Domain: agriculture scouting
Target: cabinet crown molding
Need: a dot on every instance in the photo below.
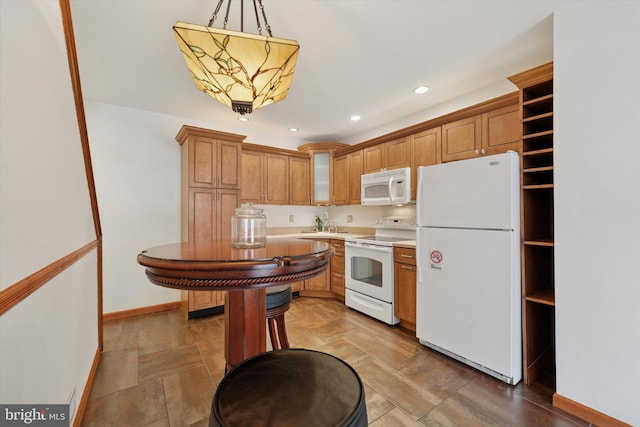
(322, 146)
(186, 131)
(533, 76)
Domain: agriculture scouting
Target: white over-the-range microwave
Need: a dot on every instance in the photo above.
(388, 187)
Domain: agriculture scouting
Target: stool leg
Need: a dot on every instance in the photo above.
(282, 331)
(272, 332)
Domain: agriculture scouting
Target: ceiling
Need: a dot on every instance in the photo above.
(357, 57)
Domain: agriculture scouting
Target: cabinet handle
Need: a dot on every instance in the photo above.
(483, 151)
(406, 267)
(406, 256)
(477, 151)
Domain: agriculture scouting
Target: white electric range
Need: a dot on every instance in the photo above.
(369, 278)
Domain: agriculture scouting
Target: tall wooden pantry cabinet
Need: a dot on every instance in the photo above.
(210, 193)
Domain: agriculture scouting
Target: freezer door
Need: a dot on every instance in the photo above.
(474, 193)
(468, 296)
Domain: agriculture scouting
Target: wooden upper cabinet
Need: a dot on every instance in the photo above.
(462, 139)
(251, 190)
(347, 170)
(373, 158)
(265, 178)
(492, 132)
(355, 172)
(212, 158)
(398, 153)
(425, 151)
(341, 180)
(229, 166)
(299, 173)
(276, 179)
(502, 130)
(323, 175)
(388, 155)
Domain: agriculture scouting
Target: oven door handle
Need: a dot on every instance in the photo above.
(385, 249)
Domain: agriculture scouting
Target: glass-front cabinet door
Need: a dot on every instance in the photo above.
(321, 178)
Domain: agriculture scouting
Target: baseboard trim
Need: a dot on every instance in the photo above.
(586, 413)
(87, 390)
(115, 315)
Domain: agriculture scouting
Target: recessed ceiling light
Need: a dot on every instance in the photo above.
(421, 89)
(293, 129)
(243, 119)
(355, 118)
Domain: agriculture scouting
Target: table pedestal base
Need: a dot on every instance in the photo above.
(245, 325)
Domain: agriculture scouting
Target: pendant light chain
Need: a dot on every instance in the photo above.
(264, 16)
(255, 10)
(256, 4)
(214, 15)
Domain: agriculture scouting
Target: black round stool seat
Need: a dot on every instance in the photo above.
(292, 387)
(278, 296)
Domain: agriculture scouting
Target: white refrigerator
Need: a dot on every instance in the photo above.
(468, 250)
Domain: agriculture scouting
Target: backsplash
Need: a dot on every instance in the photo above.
(303, 216)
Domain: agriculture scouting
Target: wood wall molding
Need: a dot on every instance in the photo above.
(586, 413)
(87, 390)
(72, 58)
(17, 292)
(116, 315)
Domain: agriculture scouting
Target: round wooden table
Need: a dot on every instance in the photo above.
(245, 273)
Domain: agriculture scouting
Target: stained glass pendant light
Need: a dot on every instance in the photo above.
(243, 71)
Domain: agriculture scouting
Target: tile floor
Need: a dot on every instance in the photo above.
(162, 370)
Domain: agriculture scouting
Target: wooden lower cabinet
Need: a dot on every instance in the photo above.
(201, 300)
(318, 283)
(337, 268)
(405, 275)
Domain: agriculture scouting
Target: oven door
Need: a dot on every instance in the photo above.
(369, 270)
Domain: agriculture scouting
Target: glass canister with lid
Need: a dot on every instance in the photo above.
(249, 227)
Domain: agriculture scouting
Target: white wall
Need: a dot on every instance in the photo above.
(47, 341)
(597, 205)
(136, 163)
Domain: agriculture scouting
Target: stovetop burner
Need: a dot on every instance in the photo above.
(390, 230)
